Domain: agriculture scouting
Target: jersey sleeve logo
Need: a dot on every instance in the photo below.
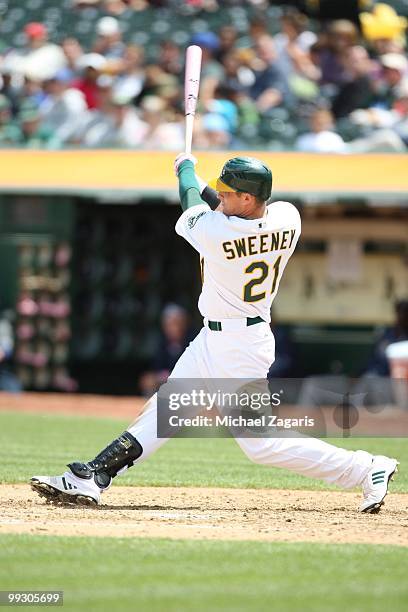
(193, 220)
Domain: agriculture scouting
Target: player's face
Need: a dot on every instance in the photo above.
(239, 205)
(231, 203)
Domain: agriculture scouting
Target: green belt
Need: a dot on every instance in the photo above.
(216, 325)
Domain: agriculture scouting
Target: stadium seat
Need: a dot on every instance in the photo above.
(140, 27)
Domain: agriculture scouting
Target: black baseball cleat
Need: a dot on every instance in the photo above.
(67, 489)
(375, 484)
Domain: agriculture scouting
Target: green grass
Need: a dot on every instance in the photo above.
(171, 575)
(43, 444)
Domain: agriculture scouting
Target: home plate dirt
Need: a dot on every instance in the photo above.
(216, 514)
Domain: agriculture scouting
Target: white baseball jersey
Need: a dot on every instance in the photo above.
(242, 260)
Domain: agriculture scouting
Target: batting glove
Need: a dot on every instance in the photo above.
(183, 157)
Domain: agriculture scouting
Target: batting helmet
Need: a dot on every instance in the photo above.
(247, 175)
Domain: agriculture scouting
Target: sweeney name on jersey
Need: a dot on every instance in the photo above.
(242, 260)
(255, 245)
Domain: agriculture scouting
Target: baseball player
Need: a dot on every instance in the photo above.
(244, 244)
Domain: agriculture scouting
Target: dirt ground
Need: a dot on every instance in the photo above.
(213, 514)
(193, 513)
(73, 404)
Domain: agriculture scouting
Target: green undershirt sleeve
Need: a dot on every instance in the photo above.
(189, 189)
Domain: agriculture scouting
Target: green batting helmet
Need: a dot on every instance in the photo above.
(247, 175)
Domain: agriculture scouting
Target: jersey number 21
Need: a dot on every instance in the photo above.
(263, 268)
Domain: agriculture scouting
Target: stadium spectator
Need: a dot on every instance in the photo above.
(160, 84)
(10, 134)
(227, 37)
(36, 36)
(130, 82)
(109, 39)
(330, 48)
(94, 127)
(357, 91)
(175, 336)
(91, 66)
(39, 58)
(379, 141)
(293, 44)
(238, 71)
(73, 53)
(381, 47)
(7, 87)
(124, 127)
(248, 114)
(322, 138)
(223, 105)
(270, 87)
(34, 134)
(170, 58)
(398, 332)
(212, 132)
(394, 73)
(164, 129)
(62, 103)
(258, 27)
(378, 116)
(30, 92)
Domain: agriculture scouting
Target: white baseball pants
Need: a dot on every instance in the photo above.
(242, 352)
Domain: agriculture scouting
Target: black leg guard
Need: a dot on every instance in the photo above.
(120, 453)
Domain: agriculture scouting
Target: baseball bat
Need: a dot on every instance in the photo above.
(191, 87)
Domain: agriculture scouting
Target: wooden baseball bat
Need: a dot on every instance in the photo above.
(191, 87)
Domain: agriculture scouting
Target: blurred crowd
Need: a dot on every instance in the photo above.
(319, 86)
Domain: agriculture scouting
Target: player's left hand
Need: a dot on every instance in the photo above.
(183, 157)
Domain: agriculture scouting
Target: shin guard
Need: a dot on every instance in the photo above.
(119, 454)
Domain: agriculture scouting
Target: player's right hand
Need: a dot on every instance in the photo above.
(183, 157)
